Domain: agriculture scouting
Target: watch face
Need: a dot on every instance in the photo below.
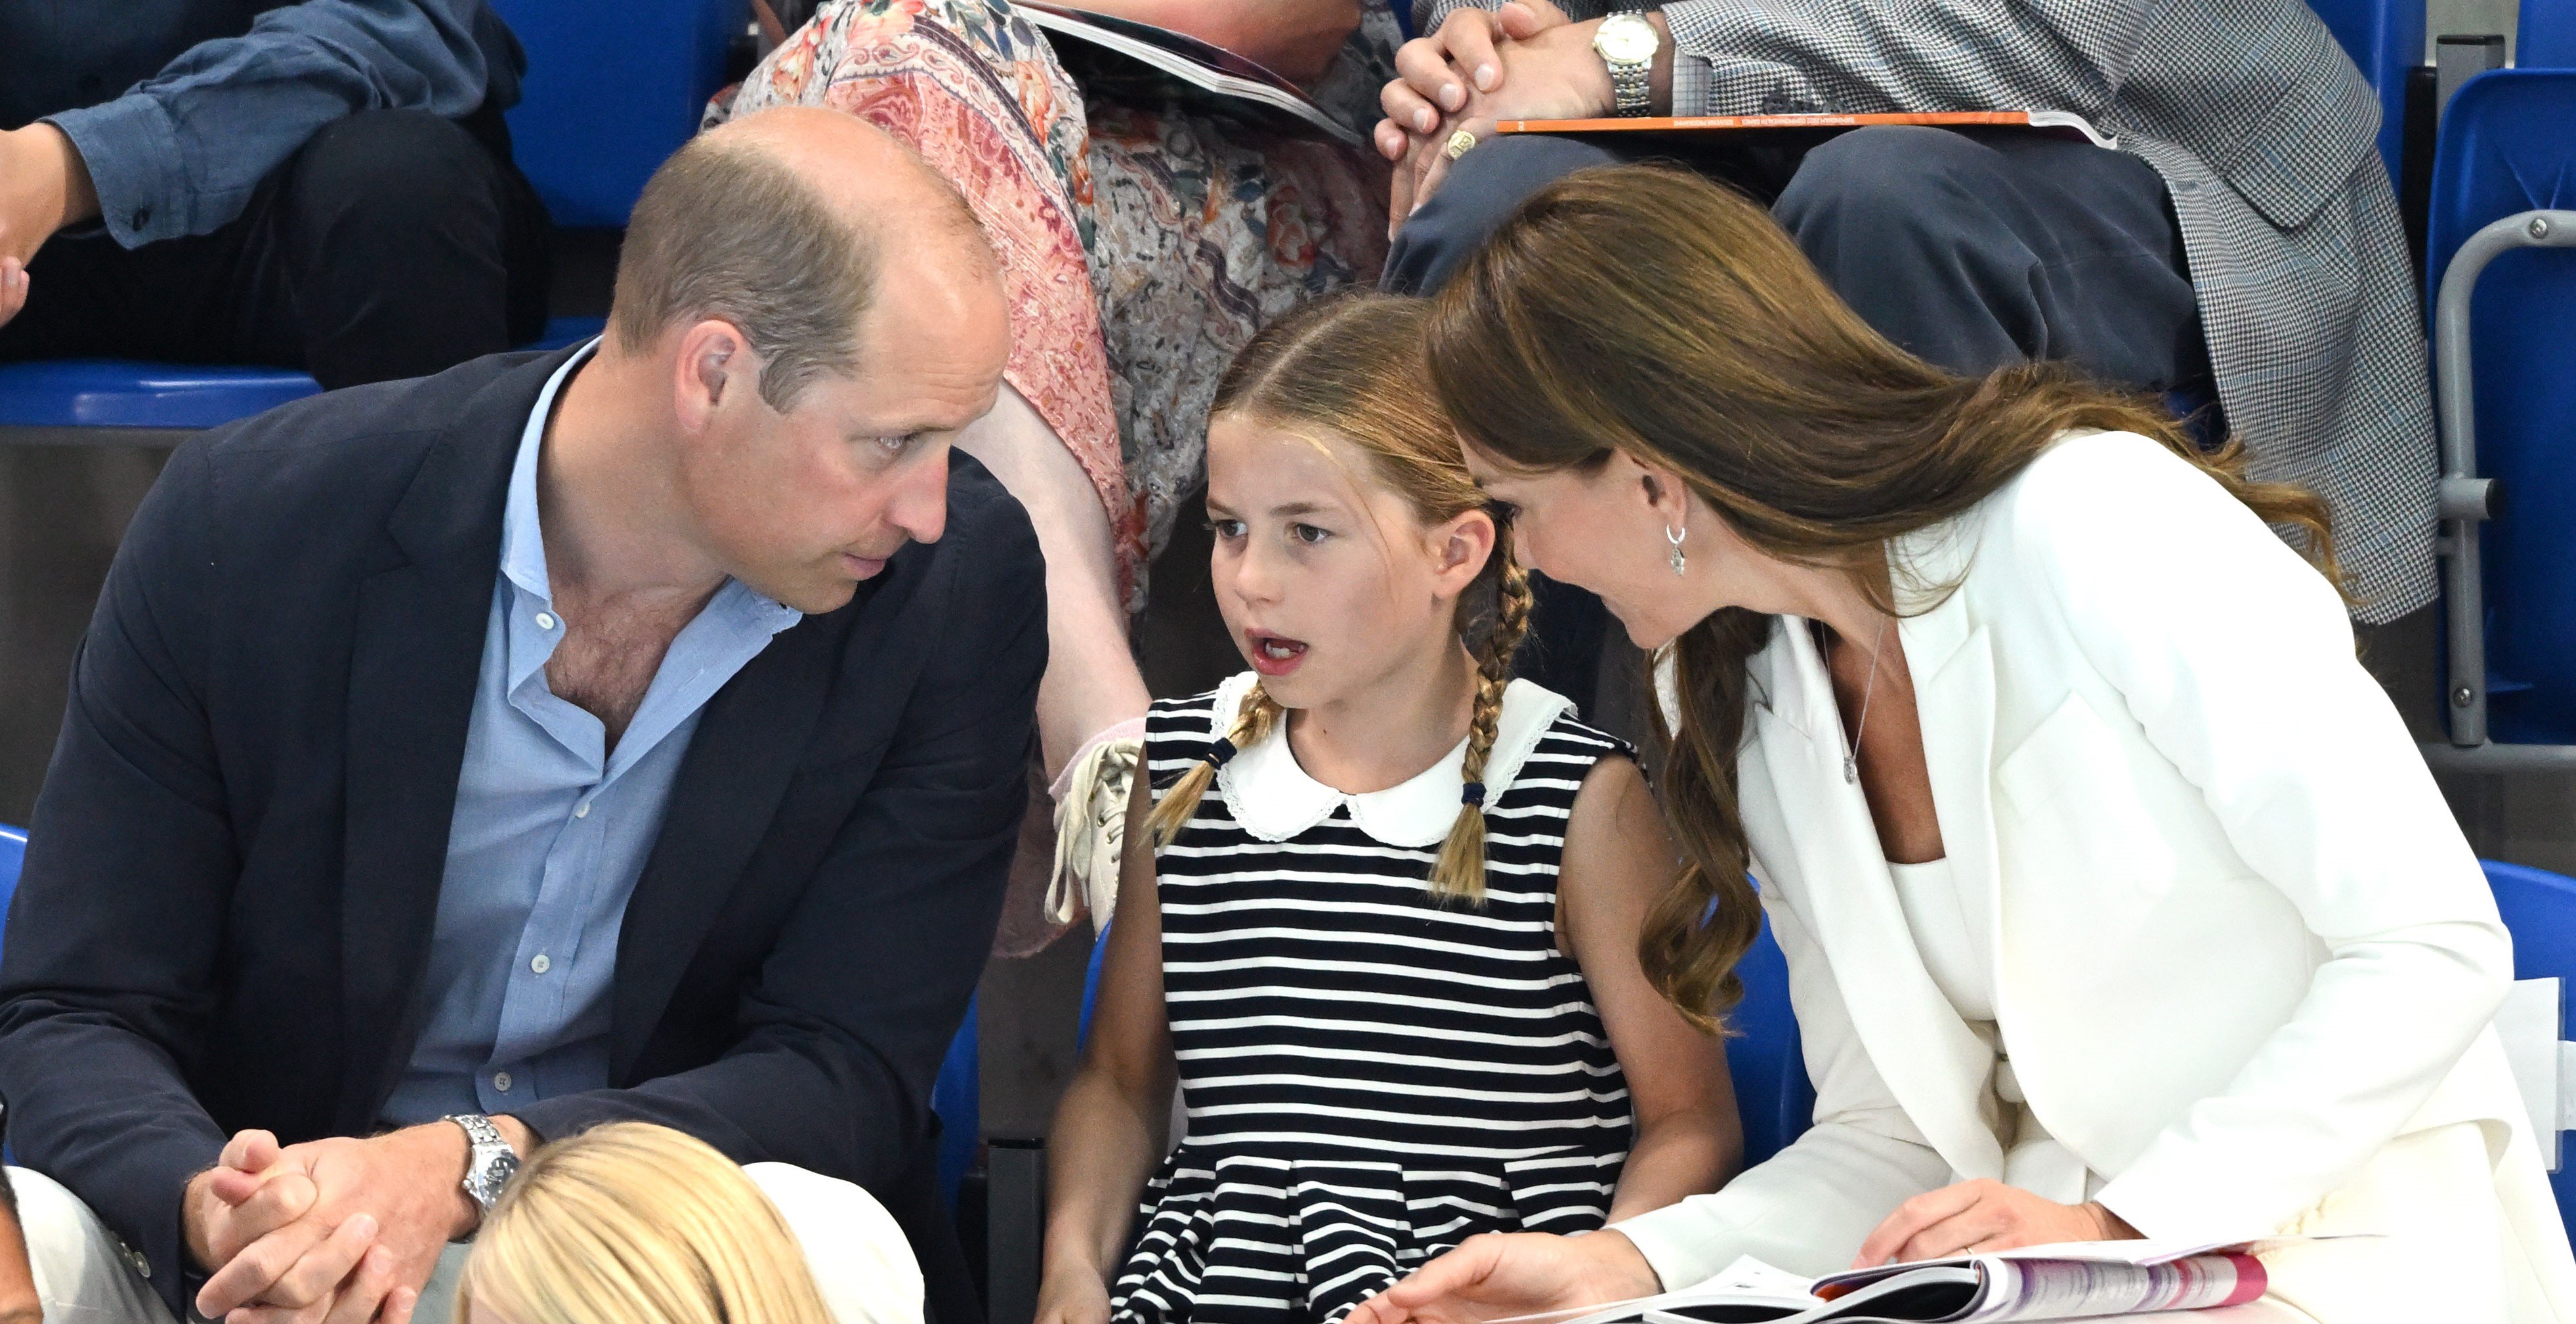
(491, 1175)
(1625, 39)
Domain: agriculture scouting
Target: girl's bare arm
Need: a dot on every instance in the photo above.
(1110, 1129)
(1618, 859)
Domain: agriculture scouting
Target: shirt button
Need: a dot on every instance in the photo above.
(582, 810)
(542, 964)
(545, 620)
(142, 217)
(501, 1081)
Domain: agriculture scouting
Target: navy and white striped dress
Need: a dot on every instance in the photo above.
(1371, 1075)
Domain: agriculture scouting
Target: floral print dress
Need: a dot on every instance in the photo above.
(1141, 245)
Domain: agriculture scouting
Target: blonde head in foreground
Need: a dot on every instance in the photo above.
(633, 1223)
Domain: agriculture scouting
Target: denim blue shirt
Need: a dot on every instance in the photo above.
(180, 107)
(550, 832)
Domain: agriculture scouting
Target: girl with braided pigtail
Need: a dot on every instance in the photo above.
(1382, 903)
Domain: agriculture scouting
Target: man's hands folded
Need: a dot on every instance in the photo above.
(335, 1231)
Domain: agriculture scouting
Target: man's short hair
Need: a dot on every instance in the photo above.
(724, 230)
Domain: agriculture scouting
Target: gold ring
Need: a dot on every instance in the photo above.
(1460, 143)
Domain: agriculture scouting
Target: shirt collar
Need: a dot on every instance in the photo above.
(523, 542)
(1275, 800)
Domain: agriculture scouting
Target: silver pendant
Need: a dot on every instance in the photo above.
(1677, 560)
(1851, 767)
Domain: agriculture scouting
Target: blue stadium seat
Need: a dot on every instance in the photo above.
(2386, 39)
(2546, 35)
(2540, 910)
(611, 90)
(2504, 208)
(1772, 1094)
(1091, 985)
(122, 393)
(956, 1098)
(13, 853)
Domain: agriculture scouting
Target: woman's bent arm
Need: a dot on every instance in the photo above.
(2236, 660)
(1110, 1129)
(1618, 859)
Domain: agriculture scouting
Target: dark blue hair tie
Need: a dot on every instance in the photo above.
(1220, 751)
(1473, 793)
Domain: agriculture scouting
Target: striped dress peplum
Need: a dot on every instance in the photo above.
(1371, 1075)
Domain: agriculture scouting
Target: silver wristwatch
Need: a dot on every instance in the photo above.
(1627, 43)
(489, 1164)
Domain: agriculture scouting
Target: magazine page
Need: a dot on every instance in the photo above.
(2073, 1289)
(1139, 62)
(1992, 1289)
(2061, 1281)
(1769, 1293)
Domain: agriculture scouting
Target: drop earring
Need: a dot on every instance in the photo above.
(1676, 540)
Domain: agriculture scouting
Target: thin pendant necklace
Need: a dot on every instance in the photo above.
(1851, 755)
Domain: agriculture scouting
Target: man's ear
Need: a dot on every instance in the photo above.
(715, 366)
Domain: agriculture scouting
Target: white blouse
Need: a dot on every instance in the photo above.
(1953, 931)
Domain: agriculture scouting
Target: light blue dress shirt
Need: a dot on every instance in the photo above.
(551, 831)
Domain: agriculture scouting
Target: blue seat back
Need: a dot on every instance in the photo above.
(2386, 39)
(1772, 1093)
(13, 853)
(1091, 985)
(957, 1099)
(2545, 38)
(126, 393)
(2539, 908)
(611, 90)
(2506, 147)
(120, 393)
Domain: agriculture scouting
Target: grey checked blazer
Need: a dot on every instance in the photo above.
(2264, 133)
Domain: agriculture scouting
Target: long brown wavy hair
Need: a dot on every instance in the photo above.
(1351, 365)
(1646, 310)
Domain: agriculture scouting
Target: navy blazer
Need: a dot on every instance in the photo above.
(236, 857)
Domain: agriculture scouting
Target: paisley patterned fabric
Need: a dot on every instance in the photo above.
(1141, 245)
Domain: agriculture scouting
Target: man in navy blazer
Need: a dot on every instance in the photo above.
(630, 732)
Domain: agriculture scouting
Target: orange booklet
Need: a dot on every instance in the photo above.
(2047, 121)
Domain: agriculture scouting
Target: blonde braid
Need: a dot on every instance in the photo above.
(1460, 870)
(1252, 723)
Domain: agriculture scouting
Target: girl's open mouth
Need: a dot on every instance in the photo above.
(1274, 655)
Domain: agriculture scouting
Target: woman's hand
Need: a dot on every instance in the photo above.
(1981, 1216)
(1501, 1274)
(1072, 1294)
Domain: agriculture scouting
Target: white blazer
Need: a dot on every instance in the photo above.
(2240, 944)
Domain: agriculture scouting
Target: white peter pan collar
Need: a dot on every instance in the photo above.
(1275, 800)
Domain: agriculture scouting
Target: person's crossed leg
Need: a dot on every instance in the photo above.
(1972, 249)
(394, 243)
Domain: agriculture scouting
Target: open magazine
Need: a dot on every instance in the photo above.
(2068, 1280)
(1132, 61)
(2064, 123)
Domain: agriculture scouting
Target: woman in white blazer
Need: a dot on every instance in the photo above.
(2115, 898)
